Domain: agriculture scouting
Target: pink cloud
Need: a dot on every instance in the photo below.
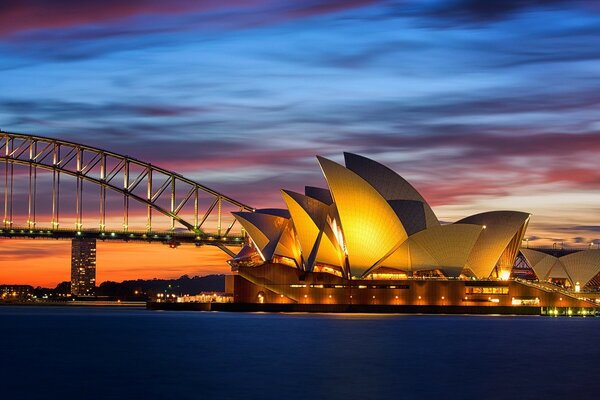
(18, 16)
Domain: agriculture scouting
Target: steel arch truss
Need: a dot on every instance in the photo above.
(133, 179)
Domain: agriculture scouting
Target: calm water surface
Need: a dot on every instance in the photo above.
(117, 353)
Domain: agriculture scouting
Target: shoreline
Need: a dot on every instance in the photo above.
(138, 304)
(369, 309)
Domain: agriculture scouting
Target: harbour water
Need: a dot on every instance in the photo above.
(132, 353)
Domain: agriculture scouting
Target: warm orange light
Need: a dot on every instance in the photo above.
(144, 261)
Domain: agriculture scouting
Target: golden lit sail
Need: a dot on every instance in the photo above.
(443, 247)
(264, 229)
(309, 218)
(558, 271)
(541, 263)
(408, 204)
(369, 227)
(582, 266)
(287, 246)
(498, 243)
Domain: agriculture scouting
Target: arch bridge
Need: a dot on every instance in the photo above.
(50, 186)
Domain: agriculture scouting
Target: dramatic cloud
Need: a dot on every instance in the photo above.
(16, 16)
(486, 10)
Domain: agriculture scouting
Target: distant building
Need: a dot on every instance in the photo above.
(83, 267)
(15, 292)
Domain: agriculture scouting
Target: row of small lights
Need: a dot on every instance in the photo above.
(570, 312)
(112, 234)
(330, 296)
(161, 295)
(555, 311)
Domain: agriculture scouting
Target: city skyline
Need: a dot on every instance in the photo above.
(479, 106)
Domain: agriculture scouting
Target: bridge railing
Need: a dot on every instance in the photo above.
(186, 203)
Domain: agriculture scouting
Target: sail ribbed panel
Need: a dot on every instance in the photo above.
(369, 226)
(501, 227)
(582, 266)
(264, 229)
(406, 199)
(541, 263)
(309, 217)
(401, 258)
(287, 245)
(328, 253)
(558, 271)
(449, 245)
(444, 247)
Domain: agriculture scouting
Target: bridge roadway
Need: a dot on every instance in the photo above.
(171, 238)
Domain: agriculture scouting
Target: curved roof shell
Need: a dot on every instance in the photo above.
(369, 226)
(270, 233)
(500, 239)
(558, 271)
(582, 266)
(309, 218)
(443, 247)
(408, 204)
(540, 262)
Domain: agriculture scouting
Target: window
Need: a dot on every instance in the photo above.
(486, 290)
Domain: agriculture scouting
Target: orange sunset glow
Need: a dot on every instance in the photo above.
(47, 262)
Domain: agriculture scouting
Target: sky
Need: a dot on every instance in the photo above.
(481, 105)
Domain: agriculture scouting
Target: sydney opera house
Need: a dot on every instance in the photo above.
(370, 239)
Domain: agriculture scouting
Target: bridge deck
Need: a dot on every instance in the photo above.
(173, 238)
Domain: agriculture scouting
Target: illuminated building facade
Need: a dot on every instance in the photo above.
(83, 267)
(370, 238)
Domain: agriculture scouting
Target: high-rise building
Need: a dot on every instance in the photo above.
(83, 267)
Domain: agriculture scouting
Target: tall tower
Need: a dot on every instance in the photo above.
(83, 267)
